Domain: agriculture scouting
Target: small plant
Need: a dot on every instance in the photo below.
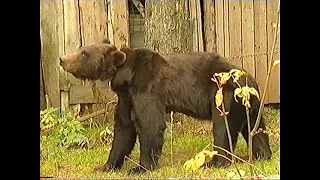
(221, 79)
(69, 131)
(105, 134)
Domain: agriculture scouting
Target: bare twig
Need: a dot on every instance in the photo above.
(240, 159)
(171, 147)
(249, 139)
(206, 147)
(94, 114)
(137, 164)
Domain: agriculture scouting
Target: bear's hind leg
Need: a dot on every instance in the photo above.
(260, 142)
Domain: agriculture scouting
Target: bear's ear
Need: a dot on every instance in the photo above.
(118, 58)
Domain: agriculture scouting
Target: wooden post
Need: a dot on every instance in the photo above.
(64, 100)
(274, 85)
(235, 31)
(93, 21)
(219, 27)
(119, 23)
(226, 27)
(72, 42)
(51, 22)
(209, 26)
(195, 15)
(248, 36)
(199, 26)
(260, 44)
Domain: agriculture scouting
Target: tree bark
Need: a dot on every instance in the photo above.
(168, 26)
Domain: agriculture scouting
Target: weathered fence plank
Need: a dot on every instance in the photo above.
(235, 32)
(86, 95)
(119, 16)
(209, 26)
(274, 85)
(71, 26)
(248, 36)
(199, 26)
(260, 43)
(226, 27)
(193, 14)
(72, 42)
(42, 94)
(93, 18)
(51, 21)
(219, 27)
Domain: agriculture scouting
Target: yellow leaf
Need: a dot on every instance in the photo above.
(276, 62)
(236, 74)
(233, 71)
(231, 174)
(246, 103)
(224, 77)
(237, 92)
(242, 173)
(199, 159)
(219, 97)
(245, 89)
(188, 164)
(197, 164)
(209, 155)
(254, 92)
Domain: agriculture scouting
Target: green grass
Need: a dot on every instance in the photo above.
(189, 138)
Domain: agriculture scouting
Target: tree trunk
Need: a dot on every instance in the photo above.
(168, 26)
(169, 29)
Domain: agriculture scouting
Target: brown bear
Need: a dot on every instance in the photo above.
(149, 85)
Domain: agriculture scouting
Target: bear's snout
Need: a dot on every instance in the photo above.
(68, 58)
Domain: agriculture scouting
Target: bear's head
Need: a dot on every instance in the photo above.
(95, 62)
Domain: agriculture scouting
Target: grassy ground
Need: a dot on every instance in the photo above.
(189, 138)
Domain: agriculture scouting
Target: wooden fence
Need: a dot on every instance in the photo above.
(244, 33)
(67, 25)
(238, 29)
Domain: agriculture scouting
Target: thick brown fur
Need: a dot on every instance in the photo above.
(149, 85)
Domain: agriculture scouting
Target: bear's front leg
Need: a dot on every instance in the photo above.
(150, 125)
(124, 136)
